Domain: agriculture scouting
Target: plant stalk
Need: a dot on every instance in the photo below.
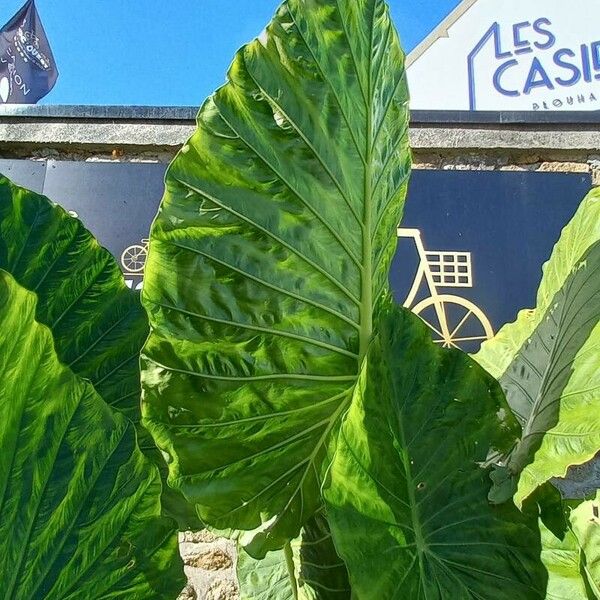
(289, 561)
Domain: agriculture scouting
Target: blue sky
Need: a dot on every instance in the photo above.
(152, 52)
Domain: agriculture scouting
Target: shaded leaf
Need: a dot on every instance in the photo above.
(548, 503)
(270, 250)
(547, 361)
(308, 569)
(79, 503)
(320, 567)
(573, 561)
(406, 498)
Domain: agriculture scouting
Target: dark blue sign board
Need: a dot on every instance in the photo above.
(27, 173)
(488, 235)
(470, 250)
(116, 201)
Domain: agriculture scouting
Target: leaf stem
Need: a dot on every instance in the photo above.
(289, 562)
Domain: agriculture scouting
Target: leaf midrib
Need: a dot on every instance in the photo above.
(417, 525)
(537, 407)
(366, 309)
(367, 264)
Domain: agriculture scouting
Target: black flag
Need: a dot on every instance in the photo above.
(27, 68)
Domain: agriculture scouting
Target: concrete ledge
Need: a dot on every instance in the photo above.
(530, 138)
(89, 128)
(568, 142)
(94, 135)
(99, 134)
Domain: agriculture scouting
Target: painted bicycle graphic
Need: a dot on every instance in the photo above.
(134, 258)
(455, 321)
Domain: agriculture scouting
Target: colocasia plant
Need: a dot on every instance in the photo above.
(279, 377)
(548, 363)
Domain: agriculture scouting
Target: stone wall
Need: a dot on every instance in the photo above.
(549, 162)
(209, 566)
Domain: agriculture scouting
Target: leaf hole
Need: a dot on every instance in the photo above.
(421, 486)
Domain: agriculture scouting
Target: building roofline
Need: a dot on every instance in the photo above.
(441, 31)
(46, 113)
(95, 112)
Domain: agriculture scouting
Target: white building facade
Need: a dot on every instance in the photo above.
(510, 55)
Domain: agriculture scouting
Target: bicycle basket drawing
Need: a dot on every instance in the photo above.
(451, 269)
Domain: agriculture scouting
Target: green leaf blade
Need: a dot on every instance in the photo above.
(264, 579)
(573, 561)
(79, 503)
(271, 249)
(547, 361)
(406, 497)
(98, 324)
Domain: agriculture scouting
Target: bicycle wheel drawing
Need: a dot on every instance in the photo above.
(133, 258)
(455, 322)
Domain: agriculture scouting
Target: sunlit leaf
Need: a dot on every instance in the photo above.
(270, 250)
(79, 502)
(547, 361)
(573, 559)
(98, 324)
(406, 495)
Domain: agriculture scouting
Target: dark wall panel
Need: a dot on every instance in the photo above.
(27, 173)
(487, 234)
(116, 201)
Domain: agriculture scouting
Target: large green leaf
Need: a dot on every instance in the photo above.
(271, 248)
(562, 559)
(79, 503)
(547, 361)
(98, 324)
(307, 569)
(406, 494)
(268, 578)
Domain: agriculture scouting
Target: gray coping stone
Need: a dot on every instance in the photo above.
(169, 126)
(91, 111)
(95, 112)
(148, 133)
(77, 134)
(505, 138)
